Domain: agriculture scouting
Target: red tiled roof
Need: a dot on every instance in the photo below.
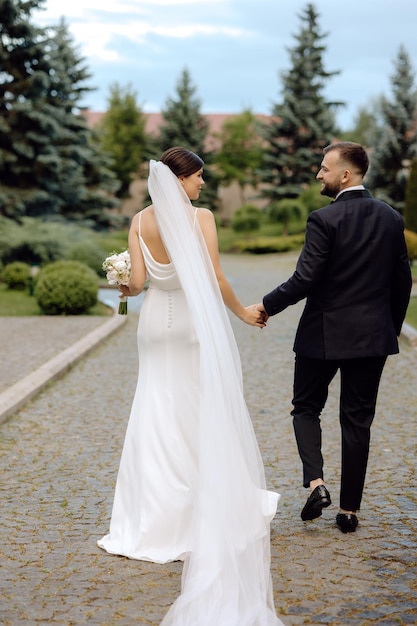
(154, 120)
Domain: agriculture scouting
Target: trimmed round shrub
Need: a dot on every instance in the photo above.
(66, 288)
(16, 275)
(246, 219)
(69, 265)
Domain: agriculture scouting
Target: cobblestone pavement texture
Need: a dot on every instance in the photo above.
(60, 454)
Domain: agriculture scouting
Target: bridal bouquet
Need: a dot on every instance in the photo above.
(117, 268)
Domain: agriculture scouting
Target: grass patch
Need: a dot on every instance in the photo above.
(20, 304)
(268, 238)
(411, 317)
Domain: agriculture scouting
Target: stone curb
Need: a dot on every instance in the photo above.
(19, 393)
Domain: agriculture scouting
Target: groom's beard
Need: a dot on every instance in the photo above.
(330, 190)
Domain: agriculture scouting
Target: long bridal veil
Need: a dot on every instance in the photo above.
(226, 578)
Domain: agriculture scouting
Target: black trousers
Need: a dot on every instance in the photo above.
(359, 382)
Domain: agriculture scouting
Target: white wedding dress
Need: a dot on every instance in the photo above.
(153, 502)
(191, 484)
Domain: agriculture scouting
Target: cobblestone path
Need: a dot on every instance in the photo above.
(59, 457)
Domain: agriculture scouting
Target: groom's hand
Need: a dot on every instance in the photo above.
(260, 307)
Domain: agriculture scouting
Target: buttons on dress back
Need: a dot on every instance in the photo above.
(170, 308)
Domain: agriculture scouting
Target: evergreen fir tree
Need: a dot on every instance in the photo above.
(410, 209)
(48, 161)
(122, 135)
(184, 125)
(87, 184)
(397, 144)
(304, 123)
(367, 125)
(28, 126)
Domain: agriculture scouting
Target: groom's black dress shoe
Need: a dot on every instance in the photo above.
(317, 500)
(347, 522)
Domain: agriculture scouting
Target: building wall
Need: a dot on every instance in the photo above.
(229, 199)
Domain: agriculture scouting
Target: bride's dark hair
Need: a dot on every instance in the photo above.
(181, 162)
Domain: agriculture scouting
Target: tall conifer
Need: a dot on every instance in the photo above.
(304, 122)
(397, 144)
(29, 127)
(185, 125)
(50, 164)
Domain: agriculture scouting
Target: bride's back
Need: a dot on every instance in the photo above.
(150, 235)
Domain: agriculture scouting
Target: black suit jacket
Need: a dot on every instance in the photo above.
(355, 273)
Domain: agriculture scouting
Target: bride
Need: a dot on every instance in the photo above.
(191, 480)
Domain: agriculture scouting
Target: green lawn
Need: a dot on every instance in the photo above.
(20, 303)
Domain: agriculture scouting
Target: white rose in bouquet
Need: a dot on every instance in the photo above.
(117, 268)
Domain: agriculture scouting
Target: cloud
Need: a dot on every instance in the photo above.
(235, 49)
(96, 27)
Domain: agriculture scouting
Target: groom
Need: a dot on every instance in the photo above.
(355, 273)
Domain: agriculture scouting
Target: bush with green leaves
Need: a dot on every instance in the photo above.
(16, 275)
(312, 199)
(90, 254)
(35, 241)
(411, 241)
(246, 219)
(267, 245)
(66, 288)
(410, 207)
(285, 210)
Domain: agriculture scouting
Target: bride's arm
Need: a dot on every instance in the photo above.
(138, 269)
(249, 315)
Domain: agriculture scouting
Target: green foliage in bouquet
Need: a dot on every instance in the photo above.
(66, 288)
(16, 275)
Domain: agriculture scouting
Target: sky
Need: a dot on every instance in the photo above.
(234, 50)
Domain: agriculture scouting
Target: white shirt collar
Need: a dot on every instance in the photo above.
(354, 188)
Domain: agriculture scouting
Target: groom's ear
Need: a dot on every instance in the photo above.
(346, 176)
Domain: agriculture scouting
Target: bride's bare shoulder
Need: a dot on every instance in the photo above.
(204, 215)
(143, 213)
(146, 210)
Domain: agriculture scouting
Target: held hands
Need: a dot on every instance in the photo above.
(255, 315)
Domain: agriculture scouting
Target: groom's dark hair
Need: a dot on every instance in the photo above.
(352, 153)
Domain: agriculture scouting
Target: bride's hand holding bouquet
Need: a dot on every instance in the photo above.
(118, 268)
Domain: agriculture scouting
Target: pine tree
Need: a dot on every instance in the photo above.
(122, 134)
(88, 183)
(29, 127)
(184, 125)
(304, 123)
(398, 142)
(49, 162)
(367, 124)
